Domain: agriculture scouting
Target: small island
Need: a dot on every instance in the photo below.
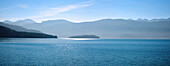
(84, 36)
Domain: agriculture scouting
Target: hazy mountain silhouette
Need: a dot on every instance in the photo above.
(106, 28)
(9, 33)
(20, 22)
(18, 28)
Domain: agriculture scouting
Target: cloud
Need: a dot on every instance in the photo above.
(22, 6)
(57, 10)
(7, 8)
(16, 6)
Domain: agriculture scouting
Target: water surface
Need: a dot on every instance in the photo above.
(95, 52)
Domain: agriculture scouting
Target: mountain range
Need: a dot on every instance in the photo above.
(104, 28)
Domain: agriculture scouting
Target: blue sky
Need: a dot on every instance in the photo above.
(83, 10)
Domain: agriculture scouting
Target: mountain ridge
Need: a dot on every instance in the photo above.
(64, 20)
(9, 33)
(106, 28)
(18, 28)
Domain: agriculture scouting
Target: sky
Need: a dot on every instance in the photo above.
(83, 10)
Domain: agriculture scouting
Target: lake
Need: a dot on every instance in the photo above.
(89, 52)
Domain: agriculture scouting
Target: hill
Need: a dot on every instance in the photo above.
(18, 28)
(9, 33)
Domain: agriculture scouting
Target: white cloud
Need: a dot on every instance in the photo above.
(57, 10)
(22, 6)
(7, 8)
(16, 6)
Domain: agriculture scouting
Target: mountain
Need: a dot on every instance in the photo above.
(7, 21)
(9, 33)
(160, 20)
(107, 28)
(18, 28)
(20, 22)
(61, 21)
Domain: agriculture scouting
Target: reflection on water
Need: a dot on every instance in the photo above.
(96, 52)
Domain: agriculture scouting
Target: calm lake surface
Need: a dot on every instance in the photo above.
(96, 52)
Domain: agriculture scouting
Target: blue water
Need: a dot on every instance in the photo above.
(97, 52)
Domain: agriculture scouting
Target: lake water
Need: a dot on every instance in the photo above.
(93, 52)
